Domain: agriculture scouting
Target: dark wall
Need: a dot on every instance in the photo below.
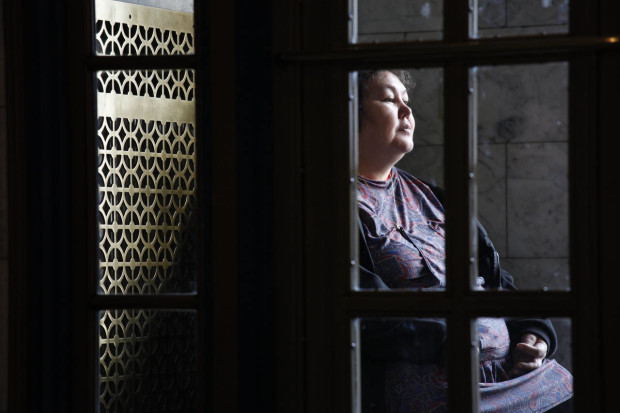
(39, 203)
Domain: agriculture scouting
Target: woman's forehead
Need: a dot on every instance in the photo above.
(387, 80)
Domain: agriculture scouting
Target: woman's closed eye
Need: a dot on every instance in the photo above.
(392, 100)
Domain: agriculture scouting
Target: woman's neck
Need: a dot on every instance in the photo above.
(375, 174)
(376, 166)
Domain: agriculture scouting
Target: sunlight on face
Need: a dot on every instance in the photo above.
(386, 123)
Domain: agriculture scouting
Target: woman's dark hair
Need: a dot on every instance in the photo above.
(364, 77)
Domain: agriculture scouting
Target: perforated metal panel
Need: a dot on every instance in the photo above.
(146, 180)
(129, 29)
(147, 361)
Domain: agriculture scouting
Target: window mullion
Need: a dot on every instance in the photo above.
(458, 250)
(584, 212)
(606, 257)
(456, 20)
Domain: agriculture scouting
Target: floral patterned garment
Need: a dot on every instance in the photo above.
(415, 388)
(403, 223)
(404, 227)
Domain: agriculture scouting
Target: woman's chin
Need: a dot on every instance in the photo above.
(407, 144)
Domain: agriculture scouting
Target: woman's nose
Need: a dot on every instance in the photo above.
(404, 110)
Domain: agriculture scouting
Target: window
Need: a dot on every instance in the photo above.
(150, 295)
(123, 298)
(327, 175)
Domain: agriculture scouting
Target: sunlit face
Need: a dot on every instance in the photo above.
(386, 122)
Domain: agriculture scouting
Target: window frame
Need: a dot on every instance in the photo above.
(317, 116)
(57, 300)
(85, 64)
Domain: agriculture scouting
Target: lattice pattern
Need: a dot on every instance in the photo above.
(146, 178)
(123, 39)
(167, 84)
(147, 361)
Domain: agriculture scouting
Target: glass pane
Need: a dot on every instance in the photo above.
(425, 161)
(401, 363)
(400, 162)
(499, 18)
(522, 118)
(399, 20)
(146, 180)
(144, 27)
(529, 374)
(147, 361)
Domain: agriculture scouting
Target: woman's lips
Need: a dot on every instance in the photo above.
(405, 127)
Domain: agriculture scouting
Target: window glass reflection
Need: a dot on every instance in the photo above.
(399, 20)
(522, 127)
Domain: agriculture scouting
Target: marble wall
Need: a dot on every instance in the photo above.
(411, 20)
(497, 18)
(399, 20)
(523, 168)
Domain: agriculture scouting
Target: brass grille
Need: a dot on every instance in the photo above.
(168, 84)
(146, 181)
(124, 29)
(147, 361)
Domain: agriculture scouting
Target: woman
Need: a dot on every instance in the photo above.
(403, 246)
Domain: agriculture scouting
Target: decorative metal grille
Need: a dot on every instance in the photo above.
(146, 178)
(168, 84)
(147, 361)
(124, 29)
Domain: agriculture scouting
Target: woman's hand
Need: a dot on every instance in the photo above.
(528, 354)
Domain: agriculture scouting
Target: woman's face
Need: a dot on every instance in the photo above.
(386, 122)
